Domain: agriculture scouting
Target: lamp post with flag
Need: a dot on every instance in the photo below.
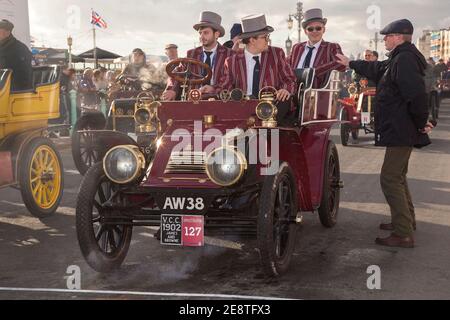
(97, 21)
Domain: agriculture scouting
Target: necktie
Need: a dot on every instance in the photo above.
(209, 63)
(256, 78)
(308, 58)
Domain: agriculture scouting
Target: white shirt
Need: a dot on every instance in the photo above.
(305, 53)
(250, 63)
(213, 56)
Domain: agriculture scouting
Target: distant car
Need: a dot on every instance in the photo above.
(29, 160)
(357, 112)
(221, 167)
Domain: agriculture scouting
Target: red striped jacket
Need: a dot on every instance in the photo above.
(275, 72)
(325, 62)
(219, 60)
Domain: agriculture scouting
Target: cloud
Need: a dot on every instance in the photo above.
(152, 24)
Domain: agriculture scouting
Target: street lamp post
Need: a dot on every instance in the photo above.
(288, 46)
(69, 43)
(299, 17)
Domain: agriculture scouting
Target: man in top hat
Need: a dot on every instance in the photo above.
(316, 53)
(401, 119)
(235, 42)
(16, 56)
(211, 52)
(259, 65)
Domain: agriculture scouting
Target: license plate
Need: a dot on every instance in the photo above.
(180, 230)
(365, 117)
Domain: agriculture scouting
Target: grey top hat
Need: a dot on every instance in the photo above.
(313, 15)
(254, 25)
(6, 25)
(212, 20)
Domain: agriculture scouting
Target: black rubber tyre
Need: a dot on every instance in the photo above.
(329, 207)
(84, 150)
(276, 230)
(104, 247)
(345, 128)
(41, 177)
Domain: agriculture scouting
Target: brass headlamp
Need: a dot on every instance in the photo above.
(266, 110)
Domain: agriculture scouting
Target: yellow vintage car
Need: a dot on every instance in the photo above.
(28, 158)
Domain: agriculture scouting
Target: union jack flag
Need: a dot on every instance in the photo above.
(98, 21)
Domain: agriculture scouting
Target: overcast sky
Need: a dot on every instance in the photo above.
(152, 23)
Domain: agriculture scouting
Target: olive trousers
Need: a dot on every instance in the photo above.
(396, 191)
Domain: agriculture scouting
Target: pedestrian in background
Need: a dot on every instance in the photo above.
(401, 122)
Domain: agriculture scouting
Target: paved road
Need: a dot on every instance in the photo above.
(328, 264)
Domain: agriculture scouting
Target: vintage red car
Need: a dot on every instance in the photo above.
(357, 112)
(218, 167)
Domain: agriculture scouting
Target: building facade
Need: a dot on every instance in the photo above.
(440, 44)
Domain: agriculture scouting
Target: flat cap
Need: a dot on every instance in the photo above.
(403, 26)
(6, 25)
(171, 46)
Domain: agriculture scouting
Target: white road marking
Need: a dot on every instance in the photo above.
(72, 172)
(136, 293)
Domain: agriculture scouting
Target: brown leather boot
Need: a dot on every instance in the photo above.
(396, 241)
(390, 227)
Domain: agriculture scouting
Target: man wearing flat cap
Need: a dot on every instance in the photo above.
(316, 53)
(16, 56)
(211, 52)
(401, 123)
(171, 51)
(259, 65)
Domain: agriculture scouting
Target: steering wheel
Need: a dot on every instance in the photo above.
(181, 71)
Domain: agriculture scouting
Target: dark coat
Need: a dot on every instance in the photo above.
(16, 56)
(401, 107)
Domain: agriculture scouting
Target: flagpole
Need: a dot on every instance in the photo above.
(95, 48)
(95, 42)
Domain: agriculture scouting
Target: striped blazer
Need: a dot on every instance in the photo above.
(275, 72)
(325, 62)
(219, 60)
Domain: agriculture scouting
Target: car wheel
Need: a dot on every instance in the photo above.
(276, 230)
(329, 207)
(41, 177)
(84, 151)
(104, 246)
(345, 128)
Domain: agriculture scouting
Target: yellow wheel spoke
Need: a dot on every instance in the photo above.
(44, 196)
(45, 157)
(49, 194)
(36, 189)
(34, 179)
(39, 195)
(41, 160)
(50, 165)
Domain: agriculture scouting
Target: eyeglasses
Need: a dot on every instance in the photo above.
(267, 37)
(311, 29)
(392, 35)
